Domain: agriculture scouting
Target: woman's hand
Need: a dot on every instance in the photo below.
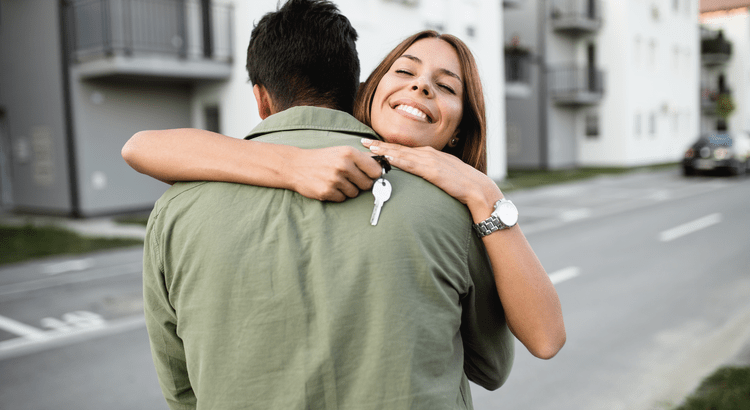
(331, 174)
(458, 179)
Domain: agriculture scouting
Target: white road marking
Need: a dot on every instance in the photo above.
(76, 277)
(564, 274)
(575, 214)
(21, 329)
(67, 266)
(690, 227)
(53, 338)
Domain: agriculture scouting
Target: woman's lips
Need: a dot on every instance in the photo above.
(415, 110)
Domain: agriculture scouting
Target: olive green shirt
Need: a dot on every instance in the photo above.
(260, 298)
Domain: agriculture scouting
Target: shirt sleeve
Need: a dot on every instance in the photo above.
(167, 348)
(488, 343)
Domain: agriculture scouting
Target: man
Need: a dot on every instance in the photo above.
(261, 298)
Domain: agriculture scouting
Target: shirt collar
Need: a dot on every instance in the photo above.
(316, 118)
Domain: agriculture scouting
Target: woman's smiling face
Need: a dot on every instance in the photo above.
(419, 101)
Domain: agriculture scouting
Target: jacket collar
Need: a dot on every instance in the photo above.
(315, 118)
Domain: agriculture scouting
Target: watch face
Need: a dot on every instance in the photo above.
(507, 213)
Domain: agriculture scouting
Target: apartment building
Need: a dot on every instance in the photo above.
(79, 77)
(600, 82)
(725, 70)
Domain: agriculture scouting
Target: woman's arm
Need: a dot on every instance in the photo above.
(532, 307)
(327, 174)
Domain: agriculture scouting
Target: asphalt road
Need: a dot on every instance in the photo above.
(653, 271)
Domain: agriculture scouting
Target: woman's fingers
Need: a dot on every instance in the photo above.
(335, 173)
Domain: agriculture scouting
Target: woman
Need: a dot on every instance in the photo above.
(425, 100)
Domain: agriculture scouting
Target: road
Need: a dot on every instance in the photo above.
(653, 272)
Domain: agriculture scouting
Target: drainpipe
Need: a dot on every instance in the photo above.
(70, 143)
(543, 91)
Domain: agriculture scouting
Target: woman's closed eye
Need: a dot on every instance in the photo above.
(401, 71)
(447, 88)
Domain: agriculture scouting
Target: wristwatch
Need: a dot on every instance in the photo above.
(505, 215)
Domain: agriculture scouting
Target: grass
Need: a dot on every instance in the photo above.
(524, 179)
(18, 244)
(726, 389)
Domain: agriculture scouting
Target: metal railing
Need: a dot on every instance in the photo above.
(576, 11)
(716, 45)
(184, 29)
(568, 81)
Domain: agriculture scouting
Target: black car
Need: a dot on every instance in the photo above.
(718, 153)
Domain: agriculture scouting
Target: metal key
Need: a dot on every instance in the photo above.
(381, 189)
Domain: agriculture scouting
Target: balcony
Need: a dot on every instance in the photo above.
(517, 72)
(576, 17)
(184, 40)
(576, 86)
(715, 50)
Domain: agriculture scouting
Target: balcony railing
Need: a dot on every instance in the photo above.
(576, 16)
(715, 50)
(576, 86)
(195, 33)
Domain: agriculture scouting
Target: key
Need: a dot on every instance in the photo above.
(381, 189)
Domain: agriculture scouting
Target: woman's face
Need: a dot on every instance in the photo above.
(419, 101)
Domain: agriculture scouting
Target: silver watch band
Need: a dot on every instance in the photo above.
(489, 225)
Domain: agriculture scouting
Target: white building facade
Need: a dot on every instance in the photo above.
(612, 83)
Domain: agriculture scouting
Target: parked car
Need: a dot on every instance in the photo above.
(718, 152)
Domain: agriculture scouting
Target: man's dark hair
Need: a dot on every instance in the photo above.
(305, 54)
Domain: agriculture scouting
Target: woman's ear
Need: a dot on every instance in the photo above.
(263, 99)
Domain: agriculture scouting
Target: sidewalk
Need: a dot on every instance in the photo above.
(100, 226)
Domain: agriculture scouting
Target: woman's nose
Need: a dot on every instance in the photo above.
(420, 85)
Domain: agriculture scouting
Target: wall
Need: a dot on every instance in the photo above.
(107, 113)
(31, 94)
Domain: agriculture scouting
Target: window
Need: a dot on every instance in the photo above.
(637, 125)
(652, 124)
(592, 125)
(637, 52)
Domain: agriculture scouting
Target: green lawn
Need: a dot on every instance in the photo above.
(522, 179)
(726, 389)
(18, 244)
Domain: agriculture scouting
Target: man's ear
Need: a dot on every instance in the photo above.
(263, 99)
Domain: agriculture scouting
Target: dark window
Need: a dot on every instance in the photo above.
(592, 125)
(211, 118)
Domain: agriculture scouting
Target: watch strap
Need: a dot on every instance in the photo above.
(488, 226)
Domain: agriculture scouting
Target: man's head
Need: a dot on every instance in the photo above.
(304, 54)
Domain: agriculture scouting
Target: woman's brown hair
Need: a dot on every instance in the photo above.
(472, 134)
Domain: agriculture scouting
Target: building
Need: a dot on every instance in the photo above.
(725, 70)
(600, 82)
(79, 77)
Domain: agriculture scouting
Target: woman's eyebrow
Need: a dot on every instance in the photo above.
(442, 70)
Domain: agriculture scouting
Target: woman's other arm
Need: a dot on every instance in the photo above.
(532, 307)
(329, 174)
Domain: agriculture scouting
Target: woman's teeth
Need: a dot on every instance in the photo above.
(413, 111)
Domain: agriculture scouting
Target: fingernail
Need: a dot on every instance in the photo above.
(366, 142)
(389, 158)
(374, 148)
